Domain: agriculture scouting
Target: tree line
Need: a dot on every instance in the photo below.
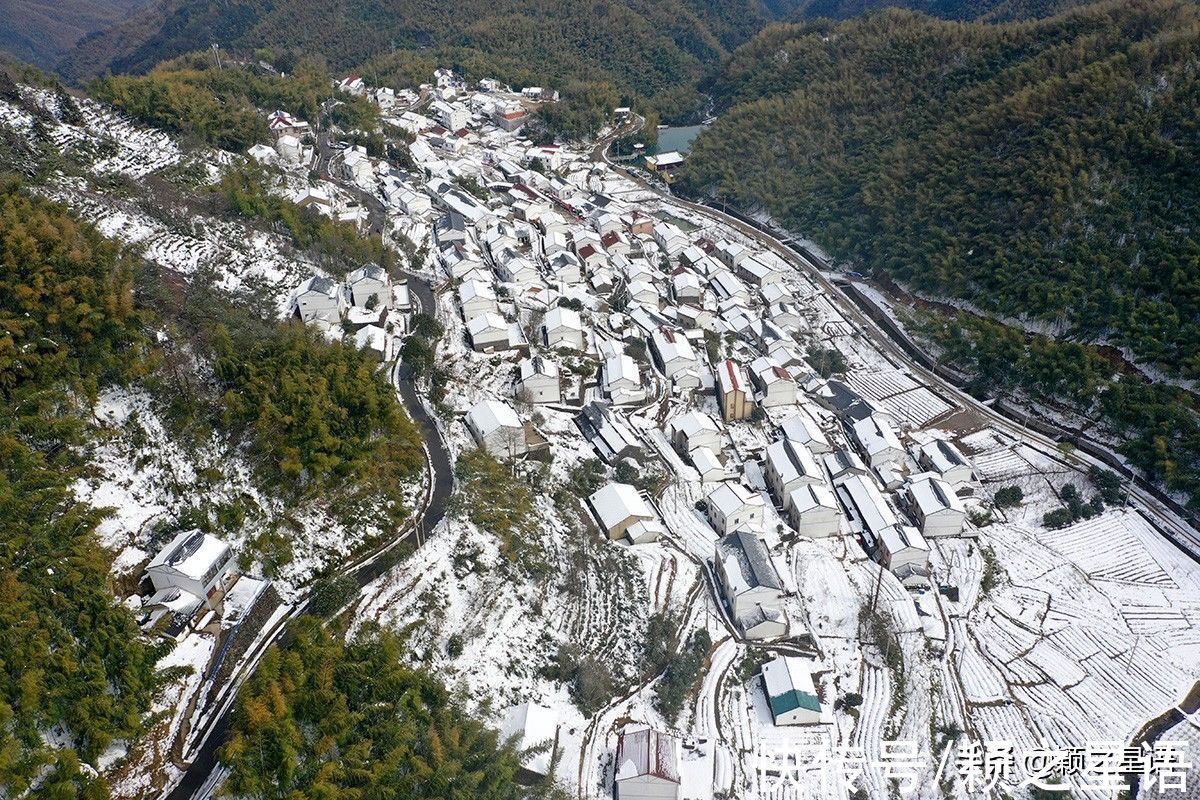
(1044, 170)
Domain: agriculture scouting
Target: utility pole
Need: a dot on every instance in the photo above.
(216, 48)
(878, 585)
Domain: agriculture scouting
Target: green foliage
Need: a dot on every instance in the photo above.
(1074, 509)
(583, 109)
(750, 667)
(681, 675)
(493, 498)
(323, 719)
(66, 303)
(472, 186)
(72, 659)
(244, 192)
(1109, 485)
(427, 326)
(991, 571)
(190, 96)
(656, 49)
(1039, 169)
(827, 361)
(589, 681)
(1009, 496)
(586, 477)
(661, 630)
(1157, 424)
(319, 413)
(330, 595)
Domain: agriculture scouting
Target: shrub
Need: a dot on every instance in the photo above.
(1009, 496)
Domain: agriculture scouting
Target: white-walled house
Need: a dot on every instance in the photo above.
(708, 465)
(727, 287)
(515, 268)
(803, 429)
(489, 332)
(694, 429)
(776, 386)
(621, 380)
(475, 298)
(562, 327)
(936, 507)
(670, 239)
(751, 585)
(788, 466)
(672, 352)
(644, 292)
(367, 282)
(877, 441)
(732, 506)
(904, 551)
(791, 694)
(321, 300)
(622, 511)
(646, 766)
(497, 428)
(194, 562)
(686, 286)
(900, 548)
(539, 381)
(757, 271)
(813, 511)
(608, 433)
(946, 460)
(732, 254)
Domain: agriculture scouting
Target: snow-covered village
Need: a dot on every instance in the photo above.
(693, 523)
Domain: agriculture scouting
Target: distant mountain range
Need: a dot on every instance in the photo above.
(652, 46)
(43, 31)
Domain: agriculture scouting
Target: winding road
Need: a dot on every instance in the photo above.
(204, 773)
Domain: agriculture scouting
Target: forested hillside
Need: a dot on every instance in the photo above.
(655, 47)
(996, 10)
(42, 31)
(1046, 170)
(71, 659)
(191, 97)
(325, 719)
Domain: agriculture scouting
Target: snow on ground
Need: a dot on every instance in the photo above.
(152, 481)
(1057, 636)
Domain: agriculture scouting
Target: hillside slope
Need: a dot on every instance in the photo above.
(1045, 170)
(994, 10)
(651, 46)
(42, 31)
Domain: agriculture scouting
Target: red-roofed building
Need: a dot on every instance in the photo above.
(733, 391)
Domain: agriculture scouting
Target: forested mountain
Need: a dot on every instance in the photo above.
(42, 31)
(995, 10)
(1049, 170)
(656, 47)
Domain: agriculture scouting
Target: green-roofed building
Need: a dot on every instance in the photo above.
(791, 694)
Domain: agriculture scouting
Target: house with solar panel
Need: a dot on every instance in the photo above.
(194, 562)
(791, 694)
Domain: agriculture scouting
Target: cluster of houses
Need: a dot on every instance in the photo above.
(367, 304)
(602, 307)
